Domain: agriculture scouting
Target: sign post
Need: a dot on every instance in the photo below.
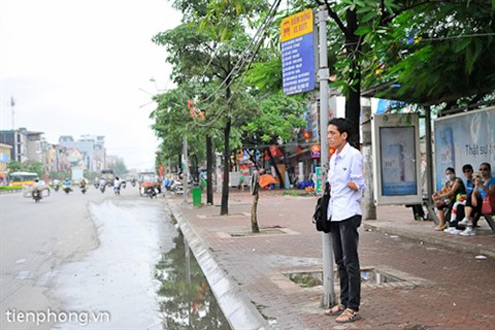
(298, 73)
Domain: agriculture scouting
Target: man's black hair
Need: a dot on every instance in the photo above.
(343, 125)
(467, 167)
(487, 165)
(450, 169)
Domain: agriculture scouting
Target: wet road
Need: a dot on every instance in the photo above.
(82, 261)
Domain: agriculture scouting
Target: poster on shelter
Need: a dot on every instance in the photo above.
(398, 150)
(467, 138)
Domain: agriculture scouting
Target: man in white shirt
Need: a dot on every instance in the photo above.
(345, 177)
(40, 186)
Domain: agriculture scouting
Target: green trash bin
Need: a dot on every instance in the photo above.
(196, 197)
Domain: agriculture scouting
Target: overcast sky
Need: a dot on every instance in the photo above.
(78, 67)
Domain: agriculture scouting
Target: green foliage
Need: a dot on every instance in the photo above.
(282, 115)
(266, 76)
(35, 167)
(118, 168)
(435, 53)
(58, 175)
(15, 166)
(10, 188)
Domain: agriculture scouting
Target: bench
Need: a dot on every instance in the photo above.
(433, 215)
(491, 222)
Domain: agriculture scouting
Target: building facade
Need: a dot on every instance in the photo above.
(4, 160)
(91, 147)
(18, 139)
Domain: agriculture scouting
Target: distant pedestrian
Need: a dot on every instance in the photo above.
(346, 181)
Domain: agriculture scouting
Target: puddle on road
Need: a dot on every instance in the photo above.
(187, 301)
(368, 276)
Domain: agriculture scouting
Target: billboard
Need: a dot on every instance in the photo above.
(396, 159)
(467, 138)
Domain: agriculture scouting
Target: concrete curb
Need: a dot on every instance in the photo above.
(457, 245)
(239, 311)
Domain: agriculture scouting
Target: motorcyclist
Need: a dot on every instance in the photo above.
(56, 184)
(116, 185)
(39, 186)
(66, 185)
(83, 185)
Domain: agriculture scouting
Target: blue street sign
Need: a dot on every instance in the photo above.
(298, 70)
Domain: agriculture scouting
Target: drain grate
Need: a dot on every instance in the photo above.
(370, 277)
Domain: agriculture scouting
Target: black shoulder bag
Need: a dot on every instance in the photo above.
(320, 215)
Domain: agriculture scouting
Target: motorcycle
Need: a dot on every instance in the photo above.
(56, 187)
(67, 189)
(123, 185)
(151, 192)
(36, 194)
(83, 189)
(133, 182)
(176, 187)
(116, 190)
(102, 188)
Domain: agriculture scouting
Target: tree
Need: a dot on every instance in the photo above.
(118, 168)
(437, 53)
(213, 53)
(14, 166)
(36, 167)
(282, 117)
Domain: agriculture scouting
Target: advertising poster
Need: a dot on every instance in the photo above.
(467, 138)
(396, 159)
(398, 150)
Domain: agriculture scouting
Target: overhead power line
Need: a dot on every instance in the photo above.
(460, 36)
(242, 58)
(260, 34)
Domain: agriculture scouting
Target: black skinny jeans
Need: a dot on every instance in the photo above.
(345, 239)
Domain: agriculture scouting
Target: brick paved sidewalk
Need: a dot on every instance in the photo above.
(445, 286)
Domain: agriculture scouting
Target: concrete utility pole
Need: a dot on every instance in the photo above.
(429, 166)
(186, 169)
(368, 202)
(328, 298)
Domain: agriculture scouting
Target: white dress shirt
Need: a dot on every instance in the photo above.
(345, 167)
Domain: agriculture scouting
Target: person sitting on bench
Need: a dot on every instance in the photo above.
(445, 198)
(484, 185)
(463, 209)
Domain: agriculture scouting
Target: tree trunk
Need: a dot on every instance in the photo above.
(209, 170)
(353, 100)
(288, 168)
(254, 211)
(226, 155)
(274, 164)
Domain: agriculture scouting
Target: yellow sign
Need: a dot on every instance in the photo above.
(296, 25)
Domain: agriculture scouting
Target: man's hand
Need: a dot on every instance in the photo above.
(351, 185)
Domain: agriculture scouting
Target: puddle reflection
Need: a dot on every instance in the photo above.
(186, 299)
